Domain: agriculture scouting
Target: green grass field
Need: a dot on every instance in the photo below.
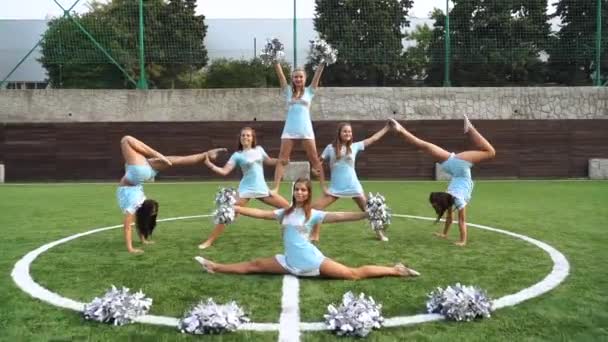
(569, 215)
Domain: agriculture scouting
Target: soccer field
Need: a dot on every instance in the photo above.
(571, 216)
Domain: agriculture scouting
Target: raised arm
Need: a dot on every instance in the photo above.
(255, 213)
(377, 136)
(279, 70)
(317, 77)
(344, 216)
(127, 222)
(223, 171)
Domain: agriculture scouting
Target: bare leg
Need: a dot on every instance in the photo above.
(333, 269)
(284, 154)
(320, 204)
(135, 152)
(219, 228)
(311, 152)
(275, 200)
(486, 149)
(265, 265)
(192, 159)
(438, 153)
(361, 202)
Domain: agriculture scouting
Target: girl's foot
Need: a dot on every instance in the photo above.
(440, 235)
(460, 243)
(406, 271)
(206, 264)
(205, 245)
(467, 124)
(380, 235)
(135, 251)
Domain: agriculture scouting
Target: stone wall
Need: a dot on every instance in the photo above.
(266, 104)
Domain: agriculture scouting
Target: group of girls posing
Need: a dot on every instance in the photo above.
(300, 220)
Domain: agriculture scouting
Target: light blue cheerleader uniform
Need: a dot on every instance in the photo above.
(344, 181)
(251, 162)
(298, 124)
(301, 257)
(131, 197)
(461, 185)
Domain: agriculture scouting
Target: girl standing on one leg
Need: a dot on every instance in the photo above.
(341, 156)
(458, 166)
(301, 257)
(142, 163)
(250, 157)
(298, 125)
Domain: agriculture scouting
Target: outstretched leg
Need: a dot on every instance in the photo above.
(486, 150)
(284, 153)
(333, 269)
(193, 159)
(219, 228)
(265, 265)
(135, 152)
(438, 153)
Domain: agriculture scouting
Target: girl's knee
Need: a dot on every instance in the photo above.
(125, 139)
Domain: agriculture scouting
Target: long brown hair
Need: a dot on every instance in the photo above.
(307, 206)
(338, 142)
(146, 217)
(293, 86)
(253, 138)
(442, 202)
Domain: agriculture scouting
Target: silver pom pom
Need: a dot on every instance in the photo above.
(224, 202)
(322, 52)
(459, 302)
(355, 316)
(117, 307)
(379, 213)
(272, 51)
(226, 196)
(210, 318)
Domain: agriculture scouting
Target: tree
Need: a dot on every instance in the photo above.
(368, 36)
(173, 44)
(572, 52)
(418, 57)
(225, 73)
(492, 43)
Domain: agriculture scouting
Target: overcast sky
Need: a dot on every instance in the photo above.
(39, 9)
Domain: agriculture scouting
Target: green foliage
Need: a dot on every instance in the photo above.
(173, 44)
(492, 43)
(573, 50)
(368, 36)
(225, 73)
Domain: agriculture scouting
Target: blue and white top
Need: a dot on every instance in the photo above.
(131, 197)
(461, 184)
(300, 255)
(253, 184)
(344, 181)
(298, 124)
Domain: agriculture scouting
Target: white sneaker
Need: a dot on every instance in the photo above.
(467, 124)
(203, 263)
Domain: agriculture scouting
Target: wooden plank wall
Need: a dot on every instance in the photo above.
(90, 151)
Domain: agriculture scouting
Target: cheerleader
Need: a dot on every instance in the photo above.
(341, 156)
(250, 158)
(301, 257)
(298, 125)
(143, 163)
(460, 188)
